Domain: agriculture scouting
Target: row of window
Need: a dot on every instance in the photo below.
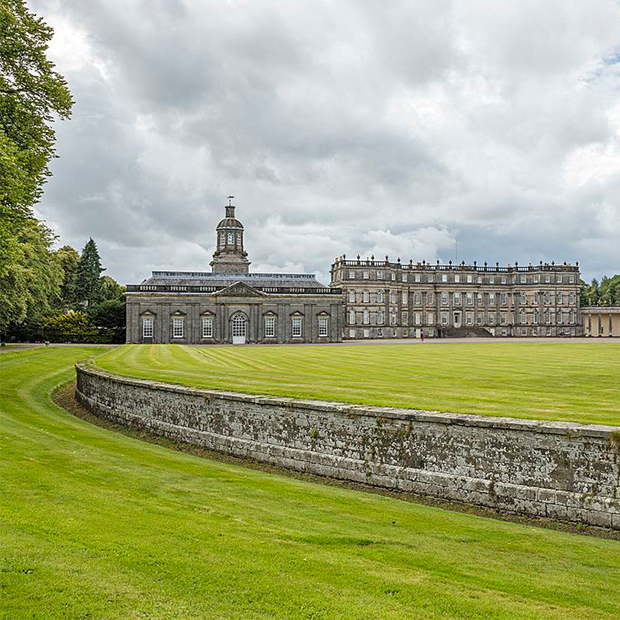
(378, 318)
(469, 278)
(238, 326)
(458, 298)
(381, 332)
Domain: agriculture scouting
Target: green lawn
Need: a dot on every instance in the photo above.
(571, 381)
(98, 525)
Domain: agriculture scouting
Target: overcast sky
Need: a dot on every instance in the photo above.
(341, 127)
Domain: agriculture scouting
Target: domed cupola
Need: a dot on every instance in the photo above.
(230, 257)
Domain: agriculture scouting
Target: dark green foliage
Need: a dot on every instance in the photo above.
(31, 95)
(68, 259)
(109, 318)
(72, 326)
(88, 285)
(29, 283)
(605, 293)
(111, 290)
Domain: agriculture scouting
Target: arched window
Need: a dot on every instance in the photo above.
(238, 325)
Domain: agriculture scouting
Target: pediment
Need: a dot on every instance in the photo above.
(240, 289)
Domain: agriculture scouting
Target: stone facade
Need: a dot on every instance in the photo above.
(231, 305)
(548, 469)
(383, 299)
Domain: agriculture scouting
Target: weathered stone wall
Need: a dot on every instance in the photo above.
(549, 469)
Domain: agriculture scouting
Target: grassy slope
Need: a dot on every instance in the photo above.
(571, 381)
(96, 524)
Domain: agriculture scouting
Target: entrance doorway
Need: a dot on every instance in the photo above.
(239, 329)
(457, 319)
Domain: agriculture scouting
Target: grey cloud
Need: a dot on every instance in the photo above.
(352, 127)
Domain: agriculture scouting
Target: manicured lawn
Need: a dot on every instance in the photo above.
(98, 525)
(570, 381)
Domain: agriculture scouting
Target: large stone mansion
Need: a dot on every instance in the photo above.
(367, 298)
(384, 299)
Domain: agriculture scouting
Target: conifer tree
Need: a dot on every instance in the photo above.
(88, 282)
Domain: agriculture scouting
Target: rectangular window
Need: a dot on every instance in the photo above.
(417, 318)
(380, 317)
(270, 326)
(470, 318)
(366, 333)
(503, 279)
(430, 318)
(207, 327)
(366, 297)
(417, 299)
(457, 299)
(479, 298)
(177, 327)
(351, 333)
(417, 277)
(522, 279)
(491, 279)
(457, 277)
(380, 332)
(470, 278)
(503, 299)
(405, 318)
(351, 274)
(322, 326)
(352, 317)
(430, 298)
(431, 277)
(444, 277)
(444, 318)
(379, 275)
(470, 299)
(379, 297)
(491, 299)
(403, 277)
(147, 327)
(404, 298)
(365, 275)
(444, 299)
(296, 327)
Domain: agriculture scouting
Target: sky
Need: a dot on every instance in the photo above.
(420, 129)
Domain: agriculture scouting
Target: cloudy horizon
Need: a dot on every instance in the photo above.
(484, 130)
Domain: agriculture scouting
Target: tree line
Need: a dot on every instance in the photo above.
(59, 295)
(603, 293)
(45, 294)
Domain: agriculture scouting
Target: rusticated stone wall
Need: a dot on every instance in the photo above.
(549, 469)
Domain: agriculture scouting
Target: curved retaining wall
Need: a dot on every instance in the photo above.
(549, 469)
